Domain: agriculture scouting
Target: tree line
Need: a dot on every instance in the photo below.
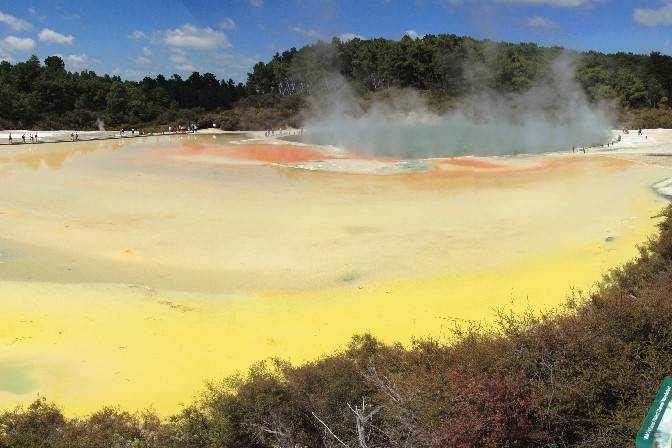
(460, 66)
(45, 95)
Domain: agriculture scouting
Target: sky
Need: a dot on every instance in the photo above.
(138, 38)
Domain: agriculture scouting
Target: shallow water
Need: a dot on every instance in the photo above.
(451, 138)
(185, 258)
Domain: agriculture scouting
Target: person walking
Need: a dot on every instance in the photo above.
(23, 137)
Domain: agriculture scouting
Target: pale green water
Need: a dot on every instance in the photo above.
(448, 139)
(16, 378)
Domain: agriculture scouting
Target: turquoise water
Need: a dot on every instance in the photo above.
(448, 139)
(17, 379)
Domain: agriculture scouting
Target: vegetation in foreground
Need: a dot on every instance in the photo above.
(583, 376)
(445, 68)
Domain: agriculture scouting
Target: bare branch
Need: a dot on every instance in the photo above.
(361, 421)
(330, 431)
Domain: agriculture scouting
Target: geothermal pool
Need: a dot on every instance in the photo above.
(133, 270)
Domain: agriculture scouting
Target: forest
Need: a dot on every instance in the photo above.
(44, 95)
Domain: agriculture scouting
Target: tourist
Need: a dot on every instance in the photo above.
(23, 137)
(72, 136)
(10, 138)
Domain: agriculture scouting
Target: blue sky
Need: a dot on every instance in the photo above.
(136, 38)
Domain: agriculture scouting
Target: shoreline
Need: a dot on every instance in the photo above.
(4, 134)
(210, 266)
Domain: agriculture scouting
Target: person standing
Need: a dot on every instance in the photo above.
(23, 137)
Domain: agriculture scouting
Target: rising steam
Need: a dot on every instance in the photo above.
(553, 115)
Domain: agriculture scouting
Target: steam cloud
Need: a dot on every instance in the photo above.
(553, 115)
(101, 124)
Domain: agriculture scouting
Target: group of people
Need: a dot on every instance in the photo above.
(33, 138)
(183, 128)
(124, 132)
(608, 144)
(281, 131)
(639, 131)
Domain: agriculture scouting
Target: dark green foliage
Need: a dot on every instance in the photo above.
(48, 97)
(459, 66)
(441, 66)
(583, 376)
(37, 426)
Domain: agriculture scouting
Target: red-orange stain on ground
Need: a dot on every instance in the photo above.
(473, 163)
(275, 153)
(254, 152)
(459, 167)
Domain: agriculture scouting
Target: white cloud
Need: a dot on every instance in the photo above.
(179, 57)
(15, 23)
(33, 12)
(13, 43)
(146, 51)
(309, 34)
(77, 61)
(137, 35)
(234, 61)
(186, 67)
(51, 36)
(190, 36)
(228, 24)
(653, 17)
(141, 60)
(256, 3)
(413, 34)
(229, 65)
(541, 22)
(345, 37)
